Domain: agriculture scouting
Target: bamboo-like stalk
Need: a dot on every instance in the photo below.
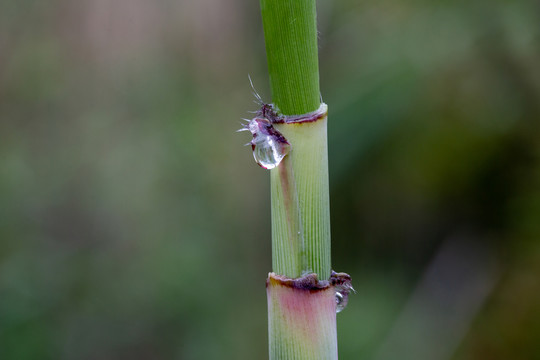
(290, 29)
(301, 301)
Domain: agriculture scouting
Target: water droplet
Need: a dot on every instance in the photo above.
(269, 145)
(342, 286)
(341, 301)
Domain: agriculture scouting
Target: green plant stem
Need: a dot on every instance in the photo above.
(301, 319)
(300, 193)
(291, 46)
(289, 255)
(290, 32)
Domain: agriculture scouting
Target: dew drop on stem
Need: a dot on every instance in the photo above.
(341, 301)
(342, 286)
(269, 145)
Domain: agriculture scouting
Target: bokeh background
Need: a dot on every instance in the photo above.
(135, 225)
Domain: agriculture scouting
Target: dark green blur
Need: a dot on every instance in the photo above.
(135, 225)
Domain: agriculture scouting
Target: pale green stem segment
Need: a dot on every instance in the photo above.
(287, 227)
(301, 319)
(300, 202)
(290, 32)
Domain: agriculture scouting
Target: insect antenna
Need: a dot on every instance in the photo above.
(255, 93)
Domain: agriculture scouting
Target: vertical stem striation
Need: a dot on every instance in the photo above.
(290, 32)
(290, 28)
(308, 163)
(292, 252)
(301, 312)
(302, 318)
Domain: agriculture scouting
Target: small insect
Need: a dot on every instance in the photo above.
(267, 111)
(268, 144)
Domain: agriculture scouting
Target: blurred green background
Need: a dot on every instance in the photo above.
(135, 225)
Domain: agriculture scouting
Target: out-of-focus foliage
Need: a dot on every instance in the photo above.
(134, 225)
